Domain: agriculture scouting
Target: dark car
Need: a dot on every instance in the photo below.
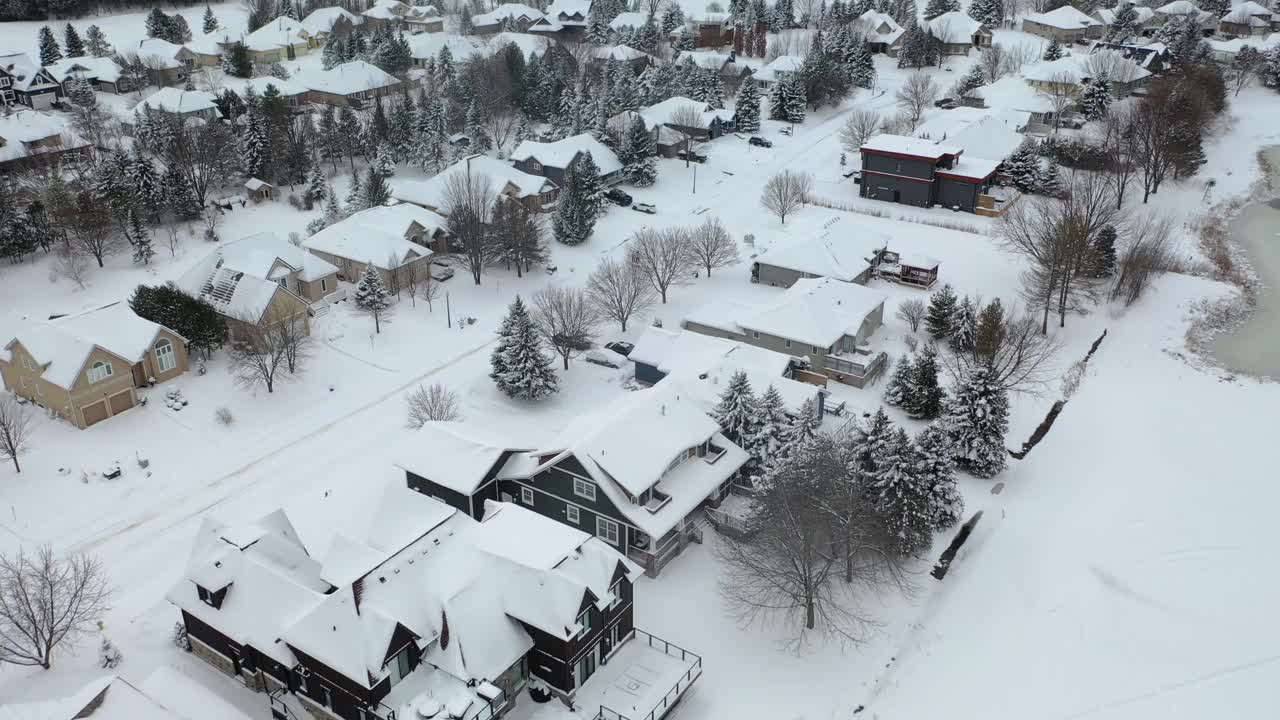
(694, 156)
(759, 141)
(622, 347)
(947, 103)
(617, 197)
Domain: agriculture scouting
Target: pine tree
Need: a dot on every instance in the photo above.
(737, 412)
(1124, 26)
(862, 68)
(209, 23)
(96, 42)
(902, 495)
(317, 185)
(334, 53)
(977, 420)
(580, 202)
(1048, 180)
(445, 70)
(972, 80)
(942, 306)
(480, 141)
(964, 326)
(176, 30)
(990, 334)
(1095, 98)
(918, 48)
(49, 51)
(376, 192)
(746, 111)
(145, 185)
(236, 62)
(254, 143)
(637, 155)
(157, 23)
(787, 100)
(771, 428)
(80, 93)
(498, 357)
(109, 656)
(988, 12)
(937, 7)
(927, 399)
(937, 472)
(1270, 74)
(801, 429)
(1023, 167)
(71, 40)
(525, 371)
(354, 201)
(899, 391)
(868, 443)
(1053, 51)
(1104, 253)
(672, 18)
(140, 239)
(383, 162)
(372, 296)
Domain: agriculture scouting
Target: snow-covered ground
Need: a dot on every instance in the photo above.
(1119, 573)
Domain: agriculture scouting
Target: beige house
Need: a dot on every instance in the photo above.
(1065, 24)
(534, 192)
(281, 39)
(394, 239)
(349, 84)
(958, 33)
(329, 22)
(246, 301)
(423, 19)
(158, 354)
(823, 320)
(267, 256)
(166, 63)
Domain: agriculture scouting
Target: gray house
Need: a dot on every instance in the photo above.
(848, 259)
(919, 172)
(824, 321)
(552, 160)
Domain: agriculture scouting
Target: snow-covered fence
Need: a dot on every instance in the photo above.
(724, 523)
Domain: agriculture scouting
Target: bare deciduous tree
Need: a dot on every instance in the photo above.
(688, 121)
(915, 96)
(15, 425)
(619, 290)
(46, 601)
(264, 347)
(712, 246)
(912, 312)
(92, 231)
(861, 125)
(413, 278)
(1147, 253)
(992, 60)
(566, 319)
(662, 257)
(429, 291)
(1116, 136)
(1060, 90)
(785, 192)
(468, 201)
(520, 238)
(1021, 356)
(73, 265)
(432, 403)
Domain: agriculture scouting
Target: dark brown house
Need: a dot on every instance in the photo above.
(919, 172)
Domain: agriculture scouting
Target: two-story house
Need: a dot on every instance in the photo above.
(166, 63)
(102, 73)
(676, 119)
(507, 16)
(824, 322)
(636, 474)
(1248, 19)
(920, 172)
(880, 31)
(255, 296)
(778, 69)
(564, 18)
(552, 160)
(385, 13)
(157, 354)
(270, 257)
(422, 19)
(26, 83)
(956, 33)
(368, 605)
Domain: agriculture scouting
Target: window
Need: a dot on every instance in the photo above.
(585, 621)
(165, 359)
(755, 334)
(786, 343)
(324, 284)
(100, 371)
(816, 350)
(584, 489)
(571, 513)
(526, 495)
(616, 591)
(607, 530)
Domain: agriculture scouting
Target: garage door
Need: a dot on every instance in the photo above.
(121, 402)
(95, 413)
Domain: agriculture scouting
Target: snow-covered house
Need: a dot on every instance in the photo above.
(708, 29)
(823, 320)
(552, 159)
(209, 47)
(957, 33)
(385, 13)
(157, 353)
(270, 257)
(1224, 51)
(351, 83)
(395, 239)
(102, 73)
(628, 21)
(187, 104)
(427, 47)
(248, 297)
(281, 39)
(725, 64)
(527, 43)
(79, 379)
(28, 137)
(845, 258)
(1144, 20)
(1248, 19)
(880, 30)
(1152, 57)
(379, 604)
(635, 474)
(166, 63)
(637, 59)
(330, 22)
(780, 68)
(26, 83)
(422, 19)
(566, 18)
(111, 697)
(1068, 73)
(924, 173)
(1181, 8)
(505, 16)
(290, 92)
(978, 132)
(1012, 93)
(1065, 24)
(535, 192)
(667, 121)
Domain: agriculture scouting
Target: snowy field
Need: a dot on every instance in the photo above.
(1120, 574)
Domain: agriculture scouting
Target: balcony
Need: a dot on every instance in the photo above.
(857, 368)
(643, 680)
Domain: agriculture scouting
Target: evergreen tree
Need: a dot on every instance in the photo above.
(334, 53)
(80, 93)
(191, 317)
(801, 429)
(49, 51)
(862, 68)
(1124, 26)
(942, 306)
(254, 143)
(372, 296)
(1095, 97)
(937, 472)
(1054, 50)
(1270, 73)
(964, 326)
(1049, 180)
(771, 429)
(317, 185)
(868, 444)
(672, 18)
(354, 201)
(71, 40)
(145, 185)
(977, 420)
(927, 399)
(918, 48)
(445, 70)
(738, 412)
(383, 162)
(1023, 167)
(747, 109)
(937, 7)
(990, 333)
(236, 62)
(376, 193)
(581, 202)
(157, 23)
(480, 141)
(1104, 253)
(902, 495)
(787, 100)
(525, 372)
(498, 357)
(900, 391)
(209, 23)
(988, 12)
(140, 238)
(637, 154)
(96, 42)
(971, 81)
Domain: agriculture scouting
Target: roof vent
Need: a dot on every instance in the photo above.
(435, 541)
(217, 563)
(395, 570)
(382, 578)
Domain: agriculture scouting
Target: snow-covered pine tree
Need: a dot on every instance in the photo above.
(898, 392)
(801, 429)
(254, 146)
(746, 111)
(157, 23)
(317, 185)
(96, 42)
(964, 326)
(934, 8)
(937, 471)
(1095, 97)
(49, 51)
(1104, 253)
(1270, 74)
(738, 412)
(383, 161)
(794, 99)
(971, 81)
(987, 12)
(990, 333)
(942, 306)
(354, 202)
(140, 238)
(208, 23)
(862, 68)
(180, 637)
(637, 154)
(1124, 26)
(1053, 51)
(927, 399)
(581, 202)
(977, 420)
(901, 494)
(72, 42)
(372, 296)
(771, 427)
(376, 192)
(916, 48)
(527, 371)
(672, 18)
(498, 357)
(1049, 180)
(1022, 167)
(148, 193)
(867, 443)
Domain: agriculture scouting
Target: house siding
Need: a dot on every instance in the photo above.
(953, 193)
(346, 697)
(426, 486)
(151, 365)
(84, 393)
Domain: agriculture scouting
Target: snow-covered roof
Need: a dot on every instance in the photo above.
(688, 352)
(1249, 13)
(955, 27)
(527, 43)
(1142, 14)
(974, 168)
(629, 21)
(377, 236)
(174, 689)
(423, 14)
(1064, 18)
(905, 145)
(660, 113)
(514, 11)
(1015, 94)
(705, 59)
(459, 454)
(86, 68)
(178, 101)
(787, 64)
(267, 256)
(842, 257)
(110, 697)
(1178, 7)
(213, 42)
(561, 153)
(61, 351)
(569, 9)
(994, 136)
(259, 85)
(229, 290)
(1077, 68)
(27, 75)
(878, 27)
(624, 53)
(503, 178)
(282, 32)
(386, 10)
(815, 311)
(1224, 48)
(428, 45)
(115, 327)
(159, 53)
(348, 78)
(25, 127)
(323, 19)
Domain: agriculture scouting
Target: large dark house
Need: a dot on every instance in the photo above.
(386, 605)
(913, 171)
(551, 160)
(636, 474)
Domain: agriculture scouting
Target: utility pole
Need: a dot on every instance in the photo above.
(448, 312)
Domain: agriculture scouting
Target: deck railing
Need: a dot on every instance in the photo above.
(674, 694)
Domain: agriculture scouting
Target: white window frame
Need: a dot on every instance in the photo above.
(526, 495)
(755, 334)
(95, 376)
(584, 489)
(606, 527)
(572, 514)
(166, 357)
(616, 591)
(786, 344)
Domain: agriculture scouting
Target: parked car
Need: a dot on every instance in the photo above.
(759, 141)
(947, 103)
(694, 156)
(617, 197)
(645, 208)
(622, 347)
(605, 357)
(786, 130)
(440, 272)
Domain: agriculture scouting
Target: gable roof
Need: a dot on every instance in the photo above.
(954, 27)
(104, 69)
(873, 22)
(116, 328)
(816, 311)
(260, 253)
(570, 8)
(459, 454)
(25, 127)
(348, 78)
(178, 101)
(628, 21)
(906, 145)
(515, 11)
(660, 113)
(27, 75)
(322, 20)
(624, 53)
(431, 193)
(843, 258)
(1064, 18)
(789, 64)
(61, 352)
(386, 10)
(705, 59)
(156, 52)
(279, 33)
(230, 291)
(377, 236)
(428, 45)
(561, 153)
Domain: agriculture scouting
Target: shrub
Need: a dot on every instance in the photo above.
(224, 416)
